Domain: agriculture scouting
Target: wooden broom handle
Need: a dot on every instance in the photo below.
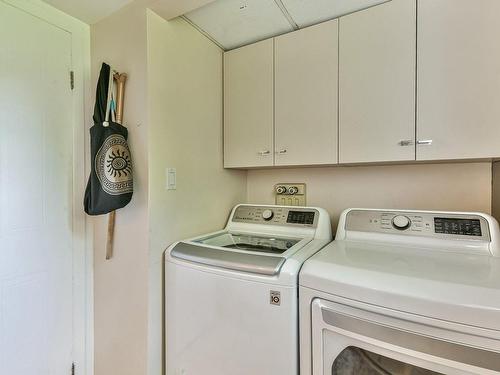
(120, 92)
(111, 235)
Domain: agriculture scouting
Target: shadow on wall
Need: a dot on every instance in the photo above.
(495, 190)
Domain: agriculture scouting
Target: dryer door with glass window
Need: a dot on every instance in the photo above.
(352, 340)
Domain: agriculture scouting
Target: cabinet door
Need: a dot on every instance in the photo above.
(458, 79)
(248, 106)
(377, 83)
(306, 88)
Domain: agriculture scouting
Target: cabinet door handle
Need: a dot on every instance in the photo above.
(406, 142)
(264, 152)
(425, 142)
(282, 151)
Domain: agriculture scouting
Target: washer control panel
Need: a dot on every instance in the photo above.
(276, 215)
(436, 225)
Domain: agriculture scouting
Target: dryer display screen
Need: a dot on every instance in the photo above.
(465, 227)
(300, 217)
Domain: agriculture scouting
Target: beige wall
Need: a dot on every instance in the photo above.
(120, 285)
(173, 111)
(432, 186)
(185, 107)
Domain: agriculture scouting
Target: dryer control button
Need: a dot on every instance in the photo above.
(401, 222)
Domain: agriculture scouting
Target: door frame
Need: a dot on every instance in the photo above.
(83, 296)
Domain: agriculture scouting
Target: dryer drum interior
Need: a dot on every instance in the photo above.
(357, 361)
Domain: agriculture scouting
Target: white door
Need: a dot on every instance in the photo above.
(377, 83)
(306, 87)
(248, 106)
(458, 79)
(36, 196)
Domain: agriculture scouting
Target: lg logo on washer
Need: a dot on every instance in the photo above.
(275, 298)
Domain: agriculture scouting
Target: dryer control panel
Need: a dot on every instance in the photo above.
(463, 227)
(435, 225)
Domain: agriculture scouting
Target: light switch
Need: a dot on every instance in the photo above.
(171, 179)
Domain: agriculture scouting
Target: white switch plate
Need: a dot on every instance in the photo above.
(171, 179)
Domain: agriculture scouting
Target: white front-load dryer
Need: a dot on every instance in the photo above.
(232, 296)
(403, 292)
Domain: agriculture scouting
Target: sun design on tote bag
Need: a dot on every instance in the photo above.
(113, 166)
(118, 163)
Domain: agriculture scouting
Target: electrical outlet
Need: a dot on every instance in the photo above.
(290, 194)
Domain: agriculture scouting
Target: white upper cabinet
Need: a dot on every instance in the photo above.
(458, 79)
(248, 106)
(306, 101)
(404, 80)
(377, 83)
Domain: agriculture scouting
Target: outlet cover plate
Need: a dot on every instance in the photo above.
(288, 199)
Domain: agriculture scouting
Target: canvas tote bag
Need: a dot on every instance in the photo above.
(110, 185)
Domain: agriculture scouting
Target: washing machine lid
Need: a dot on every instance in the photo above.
(238, 251)
(249, 242)
(231, 260)
(461, 288)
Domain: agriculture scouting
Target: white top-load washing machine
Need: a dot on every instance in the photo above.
(403, 292)
(232, 295)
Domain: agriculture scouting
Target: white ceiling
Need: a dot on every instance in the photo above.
(234, 23)
(169, 9)
(309, 12)
(92, 11)
(88, 11)
(230, 23)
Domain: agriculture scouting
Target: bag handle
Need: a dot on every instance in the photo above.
(110, 102)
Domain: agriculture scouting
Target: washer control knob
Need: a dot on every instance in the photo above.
(401, 222)
(267, 215)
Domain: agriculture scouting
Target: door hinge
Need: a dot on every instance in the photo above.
(72, 79)
(73, 368)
